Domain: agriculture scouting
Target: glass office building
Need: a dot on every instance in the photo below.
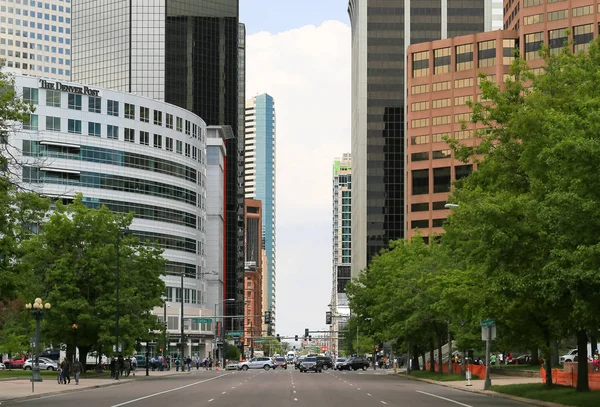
(381, 31)
(185, 52)
(35, 37)
(259, 183)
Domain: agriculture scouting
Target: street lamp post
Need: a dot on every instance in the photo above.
(120, 234)
(165, 326)
(215, 326)
(37, 312)
(182, 333)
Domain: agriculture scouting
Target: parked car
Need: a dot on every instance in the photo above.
(14, 363)
(53, 354)
(298, 361)
(45, 364)
(2, 367)
(257, 363)
(355, 363)
(280, 362)
(231, 366)
(311, 363)
(140, 361)
(339, 362)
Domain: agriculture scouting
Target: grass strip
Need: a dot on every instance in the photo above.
(445, 377)
(555, 394)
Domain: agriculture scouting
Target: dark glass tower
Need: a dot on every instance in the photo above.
(185, 52)
(381, 31)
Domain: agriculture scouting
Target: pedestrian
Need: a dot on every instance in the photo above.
(493, 359)
(77, 368)
(188, 361)
(127, 366)
(177, 365)
(210, 363)
(60, 377)
(66, 371)
(133, 364)
(197, 363)
(205, 363)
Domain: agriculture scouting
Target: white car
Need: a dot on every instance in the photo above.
(45, 364)
(2, 367)
(257, 363)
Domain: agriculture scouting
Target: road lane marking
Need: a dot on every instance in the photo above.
(295, 399)
(168, 391)
(369, 394)
(211, 400)
(358, 388)
(383, 402)
(294, 391)
(224, 392)
(444, 398)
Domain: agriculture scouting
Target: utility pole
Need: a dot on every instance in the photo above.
(182, 333)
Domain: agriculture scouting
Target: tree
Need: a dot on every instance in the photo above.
(73, 263)
(528, 216)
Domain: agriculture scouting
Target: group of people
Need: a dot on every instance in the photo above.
(123, 366)
(207, 363)
(66, 369)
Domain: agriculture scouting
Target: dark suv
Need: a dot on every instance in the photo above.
(311, 363)
(326, 361)
(355, 363)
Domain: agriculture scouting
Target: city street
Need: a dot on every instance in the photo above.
(278, 388)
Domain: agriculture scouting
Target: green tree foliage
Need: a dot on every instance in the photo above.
(73, 264)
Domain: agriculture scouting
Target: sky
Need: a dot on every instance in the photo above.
(299, 53)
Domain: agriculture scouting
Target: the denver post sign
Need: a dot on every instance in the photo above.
(83, 90)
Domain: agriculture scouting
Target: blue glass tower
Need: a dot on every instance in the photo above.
(260, 182)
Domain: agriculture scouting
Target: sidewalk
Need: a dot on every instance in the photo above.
(497, 380)
(20, 389)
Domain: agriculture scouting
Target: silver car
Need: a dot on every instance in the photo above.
(45, 364)
(257, 363)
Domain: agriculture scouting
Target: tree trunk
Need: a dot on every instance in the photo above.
(70, 352)
(431, 357)
(535, 358)
(440, 355)
(594, 342)
(415, 360)
(582, 365)
(554, 356)
(548, 364)
(83, 352)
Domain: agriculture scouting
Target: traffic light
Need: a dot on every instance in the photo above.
(269, 330)
(328, 317)
(309, 338)
(296, 338)
(305, 332)
(278, 338)
(267, 317)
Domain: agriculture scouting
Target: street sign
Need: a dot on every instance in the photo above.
(485, 332)
(203, 320)
(488, 322)
(234, 333)
(259, 340)
(323, 348)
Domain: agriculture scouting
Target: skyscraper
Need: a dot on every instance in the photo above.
(342, 244)
(185, 52)
(260, 179)
(36, 37)
(381, 31)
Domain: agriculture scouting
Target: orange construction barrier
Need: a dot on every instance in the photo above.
(569, 379)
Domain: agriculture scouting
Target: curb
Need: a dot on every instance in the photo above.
(489, 393)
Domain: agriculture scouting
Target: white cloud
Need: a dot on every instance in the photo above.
(307, 71)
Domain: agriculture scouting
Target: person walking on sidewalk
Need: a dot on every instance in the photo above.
(77, 368)
(66, 371)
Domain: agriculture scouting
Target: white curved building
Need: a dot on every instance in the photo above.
(130, 153)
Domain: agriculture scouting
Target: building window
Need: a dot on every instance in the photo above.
(533, 19)
(438, 223)
(558, 15)
(112, 132)
(508, 51)
(419, 207)
(463, 83)
(533, 45)
(420, 64)
(179, 147)
(486, 53)
(531, 3)
(52, 123)
(422, 156)
(144, 138)
(129, 111)
(169, 119)
(179, 124)
(74, 101)
(416, 140)
(418, 106)
(439, 137)
(462, 171)
(188, 128)
(441, 179)
(462, 117)
(420, 223)
(441, 60)
(157, 141)
(188, 151)
(418, 123)
(461, 100)
(94, 104)
(582, 37)
(32, 123)
(53, 98)
(439, 103)
(441, 154)
(464, 57)
(30, 95)
(129, 135)
(420, 182)
(439, 86)
(94, 129)
(439, 120)
(439, 205)
(557, 40)
(74, 126)
(169, 144)
(419, 89)
(463, 134)
(158, 118)
(112, 108)
(144, 114)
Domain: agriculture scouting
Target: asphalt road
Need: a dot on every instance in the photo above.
(280, 388)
